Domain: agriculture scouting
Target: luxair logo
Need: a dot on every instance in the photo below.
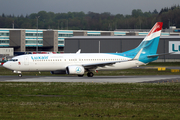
(39, 57)
(174, 46)
(154, 29)
(78, 69)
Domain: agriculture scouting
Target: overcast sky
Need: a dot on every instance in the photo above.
(18, 7)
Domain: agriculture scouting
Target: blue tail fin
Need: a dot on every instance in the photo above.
(150, 42)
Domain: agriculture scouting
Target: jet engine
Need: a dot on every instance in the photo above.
(76, 70)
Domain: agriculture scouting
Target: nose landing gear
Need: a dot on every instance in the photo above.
(20, 75)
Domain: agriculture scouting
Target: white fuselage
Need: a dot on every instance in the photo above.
(53, 62)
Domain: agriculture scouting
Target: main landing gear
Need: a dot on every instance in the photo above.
(90, 74)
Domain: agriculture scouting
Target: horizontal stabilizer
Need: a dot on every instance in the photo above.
(150, 56)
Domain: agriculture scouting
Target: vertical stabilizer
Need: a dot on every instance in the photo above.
(151, 41)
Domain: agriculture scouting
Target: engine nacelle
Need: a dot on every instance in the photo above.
(58, 72)
(75, 70)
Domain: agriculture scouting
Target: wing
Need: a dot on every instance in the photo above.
(102, 64)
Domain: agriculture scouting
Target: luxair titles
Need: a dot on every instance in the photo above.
(39, 57)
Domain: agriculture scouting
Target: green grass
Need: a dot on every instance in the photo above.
(89, 101)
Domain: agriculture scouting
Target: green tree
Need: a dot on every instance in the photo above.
(137, 13)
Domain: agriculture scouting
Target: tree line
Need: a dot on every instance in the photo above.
(93, 21)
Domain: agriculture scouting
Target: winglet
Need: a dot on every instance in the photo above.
(78, 52)
(138, 54)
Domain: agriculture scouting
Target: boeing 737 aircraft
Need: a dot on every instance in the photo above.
(80, 63)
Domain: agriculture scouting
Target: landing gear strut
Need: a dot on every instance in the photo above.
(19, 73)
(90, 74)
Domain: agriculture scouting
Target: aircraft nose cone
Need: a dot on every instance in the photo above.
(5, 65)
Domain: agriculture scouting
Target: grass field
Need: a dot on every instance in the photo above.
(89, 101)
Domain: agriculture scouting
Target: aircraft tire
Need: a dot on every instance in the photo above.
(20, 75)
(90, 74)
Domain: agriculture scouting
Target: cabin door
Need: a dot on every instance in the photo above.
(26, 60)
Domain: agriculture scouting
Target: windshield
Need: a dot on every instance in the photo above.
(13, 60)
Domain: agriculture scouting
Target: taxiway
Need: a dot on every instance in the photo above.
(96, 79)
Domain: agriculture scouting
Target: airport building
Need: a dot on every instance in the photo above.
(69, 41)
(51, 40)
(118, 44)
(23, 40)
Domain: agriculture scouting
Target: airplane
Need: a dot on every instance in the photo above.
(80, 63)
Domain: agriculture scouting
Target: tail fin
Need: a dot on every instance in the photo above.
(150, 42)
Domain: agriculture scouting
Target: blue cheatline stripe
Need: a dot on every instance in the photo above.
(60, 45)
(34, 31)
(69, 32)
(89, 32)
(4, 45)
(119, 33)
(34, 38)
(4, 37)
(164, 33)
(5, 30)
(60, 38)
(33, 45)
(143, 33)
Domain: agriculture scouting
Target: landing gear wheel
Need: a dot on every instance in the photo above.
(80, 75)
(90, 74)
(20, 75)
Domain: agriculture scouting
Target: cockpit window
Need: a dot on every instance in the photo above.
(14, 60)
